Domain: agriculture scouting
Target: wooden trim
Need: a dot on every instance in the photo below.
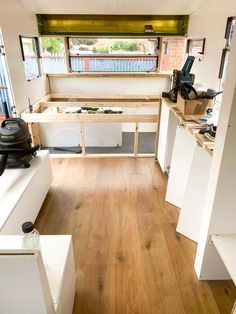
(100, 156)
(82, 140)
(159, 56)
(67, 55)
(83, 117)
(95, 97)
(81, 103)
(112, 56)
(158, 130)
(35, 134)
(136, 140)
(109, 74)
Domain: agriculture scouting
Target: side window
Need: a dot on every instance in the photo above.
(113, 54)
(53, 54)
(30, 56)
(6, 98)
(230, 26)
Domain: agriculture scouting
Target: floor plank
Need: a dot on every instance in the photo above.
(196, 295)
(128, 256)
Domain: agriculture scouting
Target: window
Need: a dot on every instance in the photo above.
(172, 54)
(113, 55)
(230, 26)
(5, 91)
(196, 47)
(53, 54)
(30, 55)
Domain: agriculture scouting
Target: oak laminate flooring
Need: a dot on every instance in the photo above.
(128, 257)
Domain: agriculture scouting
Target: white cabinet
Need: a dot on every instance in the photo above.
(190, 218)
(37, 281)
(215, 257)
(167, 130)
(22, 192)
(181, 161)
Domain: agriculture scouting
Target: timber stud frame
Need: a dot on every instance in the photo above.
(48, 110)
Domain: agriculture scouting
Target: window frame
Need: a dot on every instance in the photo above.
(229, 30)
(38, 55)
(11, 105)
(67, 54)
(113, 56)
(190, 43)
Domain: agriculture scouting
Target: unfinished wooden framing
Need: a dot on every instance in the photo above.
(111, 74)
(48, 109)
(193, 128)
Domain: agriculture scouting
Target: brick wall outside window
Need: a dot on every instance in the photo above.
(173, 53)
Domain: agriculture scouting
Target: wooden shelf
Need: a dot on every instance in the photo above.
(226, 247)
(109, 74)
(192, 127)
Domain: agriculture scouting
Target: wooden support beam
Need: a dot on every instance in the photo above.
(158, 131)
(83, 103)
(34, 131)
(68, 69)
(136, 140)
(100, 156)
(83, 117)
(46, 111)
(82, 140)
(97, 97)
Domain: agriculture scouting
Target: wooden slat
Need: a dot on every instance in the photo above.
(182, 254)
(66, 55)
(158, 131)
(35, 135)
(94, 97)
(147, 155)
(136, 140)
(234, 308)
(82, 103)
(80, 117)
(225, 292)
(82, 140)
(109, 74)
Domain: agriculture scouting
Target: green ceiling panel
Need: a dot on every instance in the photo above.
(114, 25)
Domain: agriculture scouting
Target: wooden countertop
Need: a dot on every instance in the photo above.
(192, 127)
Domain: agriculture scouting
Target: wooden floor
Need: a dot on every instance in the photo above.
(129, 258)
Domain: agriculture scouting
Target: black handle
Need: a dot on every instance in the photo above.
(15, 120)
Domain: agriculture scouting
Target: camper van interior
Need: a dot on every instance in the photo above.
(117, 157)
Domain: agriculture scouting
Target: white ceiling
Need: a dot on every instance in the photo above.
(112, 6)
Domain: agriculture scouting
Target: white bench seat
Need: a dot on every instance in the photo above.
(22, 192)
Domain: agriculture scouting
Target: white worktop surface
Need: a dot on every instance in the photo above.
(13, 183)
(54, 250)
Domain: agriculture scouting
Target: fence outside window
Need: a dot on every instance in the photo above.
(56, 63)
